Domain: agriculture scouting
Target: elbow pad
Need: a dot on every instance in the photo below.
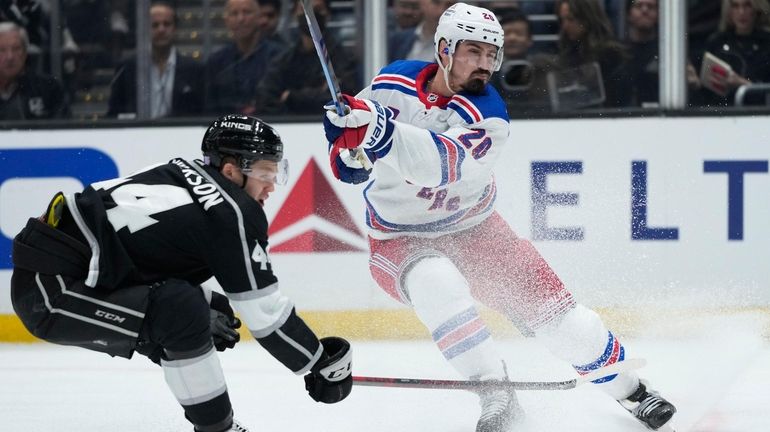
(272, 320)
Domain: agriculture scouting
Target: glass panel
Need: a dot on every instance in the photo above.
(729, 44)
(204, 58)
(609, 46)
(58, 72)
(294, 82)
(250, 56)
(103, 42)
(529, 69)
(604, 54)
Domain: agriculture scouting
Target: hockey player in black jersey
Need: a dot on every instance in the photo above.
(117, 268)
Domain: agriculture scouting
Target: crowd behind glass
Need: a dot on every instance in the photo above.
(213, 57)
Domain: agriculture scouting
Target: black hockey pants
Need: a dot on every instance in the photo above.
(53, 303)
(49, 296)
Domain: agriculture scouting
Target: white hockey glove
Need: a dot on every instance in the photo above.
(346, 167)
(367, 125)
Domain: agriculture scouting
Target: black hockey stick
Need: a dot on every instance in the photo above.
(328, 70)
(623, 366)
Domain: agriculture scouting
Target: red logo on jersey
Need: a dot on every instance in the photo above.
(313, 219)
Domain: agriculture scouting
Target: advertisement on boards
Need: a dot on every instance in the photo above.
(627, 211)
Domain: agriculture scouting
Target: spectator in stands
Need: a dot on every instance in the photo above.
(585, 37)
(417, 43)
(175, 88)
(29, 15)
(518, 34)
(294, 82)
(743, 41)
(407, 14)
(515, 75)
(521, 80)
(529, 8)
(268, 18)
(234, 71)
(25, 95)
(642, 45)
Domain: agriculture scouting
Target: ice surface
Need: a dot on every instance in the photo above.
(718, 376)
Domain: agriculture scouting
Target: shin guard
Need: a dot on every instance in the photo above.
(443, 302)
(581, 338)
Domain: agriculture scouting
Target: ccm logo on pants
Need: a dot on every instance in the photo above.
(110, 316)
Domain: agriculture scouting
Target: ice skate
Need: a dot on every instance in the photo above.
(647, 406)
(237, 427)
(499, 409)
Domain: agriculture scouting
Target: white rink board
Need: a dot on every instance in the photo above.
(701, 268)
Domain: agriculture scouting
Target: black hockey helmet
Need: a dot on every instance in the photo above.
(243, 137)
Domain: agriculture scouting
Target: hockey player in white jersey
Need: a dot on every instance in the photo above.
(432, 133)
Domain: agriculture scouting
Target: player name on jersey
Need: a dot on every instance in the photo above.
(207, 193)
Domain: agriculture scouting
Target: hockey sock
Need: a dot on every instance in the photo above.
(581, 338)
(442, 301)
(197, 381)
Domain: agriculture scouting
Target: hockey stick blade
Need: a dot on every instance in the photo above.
(328, 70)
(623, 366)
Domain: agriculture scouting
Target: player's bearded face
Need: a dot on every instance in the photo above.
(475, 84)
(472, 66)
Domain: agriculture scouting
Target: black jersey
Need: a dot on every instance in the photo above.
(182, 220)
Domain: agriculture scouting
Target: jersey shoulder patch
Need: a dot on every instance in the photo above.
(475, 108)
(399, 76)
(407, 68)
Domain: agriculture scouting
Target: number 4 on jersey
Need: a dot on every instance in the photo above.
(260, 255)
(137, 202)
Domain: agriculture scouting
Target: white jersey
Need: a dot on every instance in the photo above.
(436, 178)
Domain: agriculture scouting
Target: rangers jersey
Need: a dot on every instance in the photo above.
(436, 176)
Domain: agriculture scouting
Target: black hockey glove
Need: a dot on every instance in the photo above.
(331, 379)
(224, 324)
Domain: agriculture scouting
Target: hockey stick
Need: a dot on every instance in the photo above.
(623, 366)
(328, 70)
(323, 56)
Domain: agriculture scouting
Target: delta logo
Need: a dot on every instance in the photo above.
(313, 219)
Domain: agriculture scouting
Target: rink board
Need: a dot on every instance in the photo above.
(633, 214)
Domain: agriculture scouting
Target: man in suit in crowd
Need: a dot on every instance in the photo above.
(175, 81)
(294, 82)
(234, 71)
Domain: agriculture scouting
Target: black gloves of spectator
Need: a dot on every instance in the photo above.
(331, 379)
(224, 324)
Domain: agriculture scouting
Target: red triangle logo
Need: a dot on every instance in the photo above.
(313, 241)
(316, 212)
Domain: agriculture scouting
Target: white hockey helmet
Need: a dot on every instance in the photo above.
(462, 22)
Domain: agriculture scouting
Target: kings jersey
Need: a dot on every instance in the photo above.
(176, 220)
